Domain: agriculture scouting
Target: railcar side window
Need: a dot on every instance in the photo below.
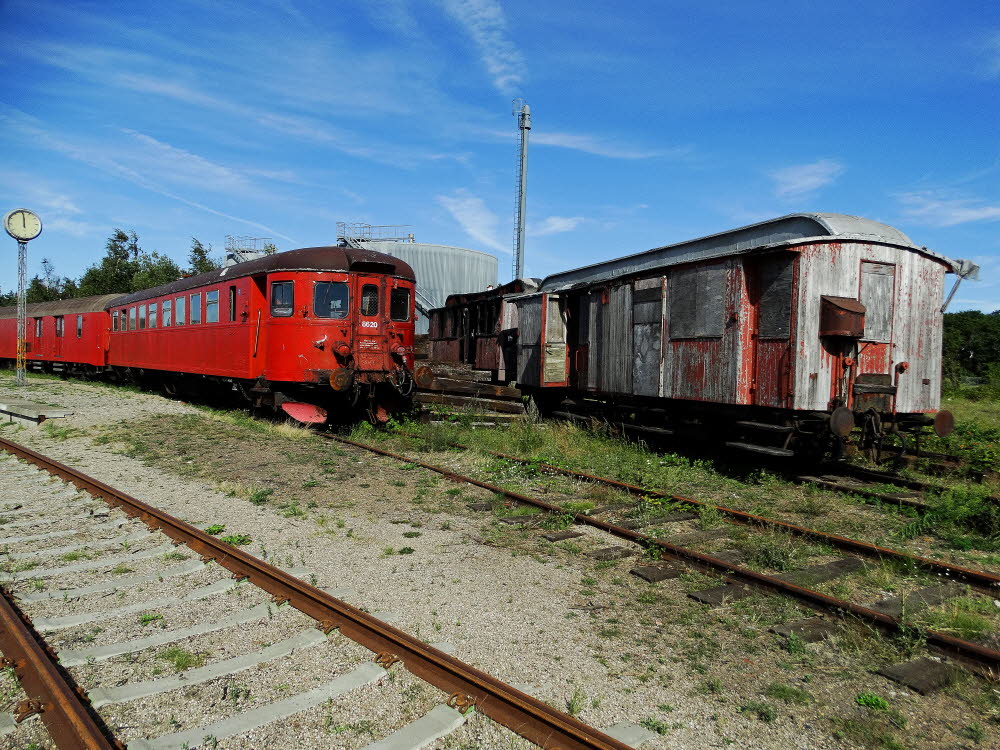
(152, 315)
(877, 286)
(38, 328)
(166, 313)
(212, 306)
(774, 313)
(399, 304)
(282, 299)
(196, 308)
(79, 326)
(179, 310)
(330, 299)
(59, 326)
(131, 318)
(697, 302)
(114, 320)
(369, 300)
(142, 317)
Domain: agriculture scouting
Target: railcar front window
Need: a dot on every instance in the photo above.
(179, 310)
(330, 299)
(196, 309)
(166, 313)
(369, 300)
(282, 299)
(79, 326)
(399, 305)
(212, 306)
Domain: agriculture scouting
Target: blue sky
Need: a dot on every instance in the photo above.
(654, 122)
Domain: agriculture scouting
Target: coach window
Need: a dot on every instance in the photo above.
(131, 318)
(79, 326)
(152, 315)
(166, 313)
(38, 328)
(697, 302)
(212, 306)
(59, 326)
(114, 320)
(399, 305)
(330, 299)
(877, 286)
(774, 313)
(232, 304)
(142, 317)
(369, 300)
(196, 308)
(282, 299)
(179, 311)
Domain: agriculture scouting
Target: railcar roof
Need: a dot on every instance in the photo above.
(73, 306)
(784, 230)
(330, 258)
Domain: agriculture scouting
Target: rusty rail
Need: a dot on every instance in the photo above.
(982, 656)
(979, 578)
(61, 706)
(518, 711)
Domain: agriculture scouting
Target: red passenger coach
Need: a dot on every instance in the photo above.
(305, 331)
(68, 336)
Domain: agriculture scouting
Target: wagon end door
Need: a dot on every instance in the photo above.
(555, 351)
(873, 381)
(770, 285)
(371, 332)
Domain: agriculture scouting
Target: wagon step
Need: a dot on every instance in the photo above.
(767, 450)
(765, 426)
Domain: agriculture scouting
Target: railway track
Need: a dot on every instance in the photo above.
(697, 550)
(90, 655)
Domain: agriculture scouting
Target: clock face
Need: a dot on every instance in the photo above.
(22, 224)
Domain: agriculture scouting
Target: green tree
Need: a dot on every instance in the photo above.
(201, 260)
(155, 269)
(120, 264)
(971, 343)
(269, 248)
(50, 286)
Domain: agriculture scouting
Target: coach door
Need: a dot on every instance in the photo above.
(878, 282)
(372, 328)
(57, 342)
(770, 287)
(555, 354)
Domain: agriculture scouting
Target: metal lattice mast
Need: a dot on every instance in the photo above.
(523, 112)
(20, 378)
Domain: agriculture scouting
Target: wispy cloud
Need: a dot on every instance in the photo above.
(991, 52)
(478, 221)
(555, 225)
(801, 179)
(944, 210)
(602, 146)
(486, 25)
(98, 157)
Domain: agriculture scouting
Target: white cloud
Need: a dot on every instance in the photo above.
(555, 225)
(478, 221)
(935, 209)
(600, 147)
(801, 179)
(484, 22)
(991, 49)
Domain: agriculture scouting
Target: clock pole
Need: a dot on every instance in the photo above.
(20, 376)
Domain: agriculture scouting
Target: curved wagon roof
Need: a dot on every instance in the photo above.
(321, 259)
(73, 306)
(785, 230)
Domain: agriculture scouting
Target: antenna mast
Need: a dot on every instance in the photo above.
(522, 111)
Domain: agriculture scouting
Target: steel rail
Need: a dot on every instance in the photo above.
(979, 578)
(527, 716)
(62, 707)
(982, 656)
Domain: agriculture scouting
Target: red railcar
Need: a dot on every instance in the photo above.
(304, 331)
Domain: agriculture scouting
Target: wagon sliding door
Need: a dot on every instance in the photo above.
(555, 353)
